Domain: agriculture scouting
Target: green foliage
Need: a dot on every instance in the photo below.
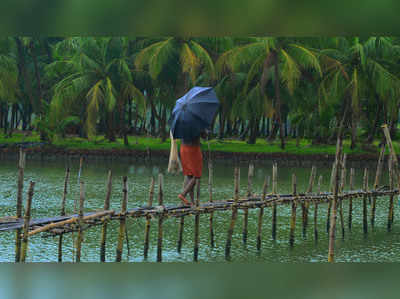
(97, 85)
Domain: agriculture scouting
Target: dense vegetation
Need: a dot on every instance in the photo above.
(269, 87)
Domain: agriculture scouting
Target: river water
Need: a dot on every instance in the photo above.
(377, 246)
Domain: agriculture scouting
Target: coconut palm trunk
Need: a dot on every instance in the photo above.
(375, 125)
(394, 122)
(353, 132)
(278, 100)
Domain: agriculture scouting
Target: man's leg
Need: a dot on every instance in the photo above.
(191, 192)
(188, 188)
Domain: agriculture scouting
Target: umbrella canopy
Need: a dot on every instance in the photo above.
(193, 113)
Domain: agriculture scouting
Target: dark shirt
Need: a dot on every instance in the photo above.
(195, 141)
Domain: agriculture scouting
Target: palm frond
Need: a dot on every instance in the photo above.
(290, 73)
(306, 58)
(189, 62)
(95, 96)
(204, 58)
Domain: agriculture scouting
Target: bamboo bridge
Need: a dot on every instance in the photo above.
(57, 226)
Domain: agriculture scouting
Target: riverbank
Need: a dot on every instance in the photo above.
(148, 147)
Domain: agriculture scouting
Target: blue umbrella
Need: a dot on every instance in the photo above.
(193, 113)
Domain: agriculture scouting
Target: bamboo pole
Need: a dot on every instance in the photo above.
(80, 169)
(160, 218)
(331, 189)
(69, 221)
(293, 215)
(332, 229)
(392, 151)
(234, 214)
(80, 222)
(20, 187)
(316, 211)
(376, 183)
(305, 206)
(365, 187)
(328, 219)
(274, 191)
(342, 186)
(261, 213)
(122, 221)
(75, 203)
(249, 193)
(182, 221)
(332, 180)
(391, 181)
(104, 227)
(350, 199)
(64, 198)
(196, 223)
(393, 174)
(147, 227)
(180, 235)
(27, 219)
(210, 179)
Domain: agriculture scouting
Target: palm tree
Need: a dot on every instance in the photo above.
(174, 65)
(354, 71)
(95, 82)
(272, 60)
(8, 80)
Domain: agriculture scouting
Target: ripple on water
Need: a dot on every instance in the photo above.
(377, 246)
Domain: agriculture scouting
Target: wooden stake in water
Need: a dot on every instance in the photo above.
(376, 183)
(328, 219)
(350, 199)
(147, 227)
(182, 221)
(21, 167)
(331, 187)
(249, 194)
(305, 206)
(316, 211)
(365, 187)
(392, 151)
(234, 214)
(60, 240)
(391, 181)
(332, 229)
(293, 215)
(27, 219)
(196, 223)
(122, 221)
(210, 179)
(80, 222)
(80, 169)
(274, 192)
(261, 213)
(160, 218)
(104, 227)
(75, 203)
(341, 189)
(332, 181)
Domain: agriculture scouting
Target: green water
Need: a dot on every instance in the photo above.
(377, 246)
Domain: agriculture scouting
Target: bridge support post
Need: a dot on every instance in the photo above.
(104, 227)
(27, 219)
(148, 219)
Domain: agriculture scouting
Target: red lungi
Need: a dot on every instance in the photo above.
(192, 160)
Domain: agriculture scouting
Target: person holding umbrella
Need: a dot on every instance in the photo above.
(191, 116)
(192, 166)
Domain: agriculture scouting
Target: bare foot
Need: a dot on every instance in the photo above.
(183, 199)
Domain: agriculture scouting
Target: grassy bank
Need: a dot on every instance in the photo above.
(227, 145)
